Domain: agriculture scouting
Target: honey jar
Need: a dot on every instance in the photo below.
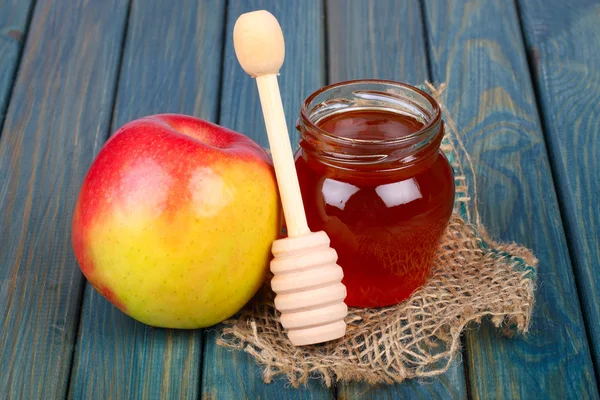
(373, 177)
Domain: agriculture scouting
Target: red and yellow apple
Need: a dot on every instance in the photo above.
(175, 219)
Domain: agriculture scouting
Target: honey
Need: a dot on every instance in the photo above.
(373, 178)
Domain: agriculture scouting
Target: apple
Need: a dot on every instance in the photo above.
(175, 219)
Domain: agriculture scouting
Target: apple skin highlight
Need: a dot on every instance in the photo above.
(175, 220)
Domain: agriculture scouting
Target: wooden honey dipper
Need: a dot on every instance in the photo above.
(307, 280)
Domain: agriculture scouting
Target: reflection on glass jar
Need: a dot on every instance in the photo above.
(373, 177)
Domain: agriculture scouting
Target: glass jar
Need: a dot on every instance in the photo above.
(373, 177)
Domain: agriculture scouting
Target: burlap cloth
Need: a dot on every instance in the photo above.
(472, 277)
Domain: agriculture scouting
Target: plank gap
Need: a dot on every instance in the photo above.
(221, 79)
(17, 65)
(427, 45)
(115, 88)
(325, 50)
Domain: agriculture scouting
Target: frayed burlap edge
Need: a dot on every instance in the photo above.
(472, 277)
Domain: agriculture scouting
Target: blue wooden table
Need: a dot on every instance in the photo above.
(523, 85)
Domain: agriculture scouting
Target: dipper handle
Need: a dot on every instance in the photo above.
(260, 49)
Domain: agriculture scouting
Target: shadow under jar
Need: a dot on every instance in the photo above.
(373, 177)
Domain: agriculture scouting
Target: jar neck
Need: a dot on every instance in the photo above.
(365, 156)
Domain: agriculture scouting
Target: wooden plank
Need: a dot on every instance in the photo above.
(14, 18)
(171, 63)
(367, 41)
(567, 75)
(477, 48)
(58, 114)
(228, 374)
(376, 40)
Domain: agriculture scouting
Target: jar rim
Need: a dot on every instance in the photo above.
(435, 118)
